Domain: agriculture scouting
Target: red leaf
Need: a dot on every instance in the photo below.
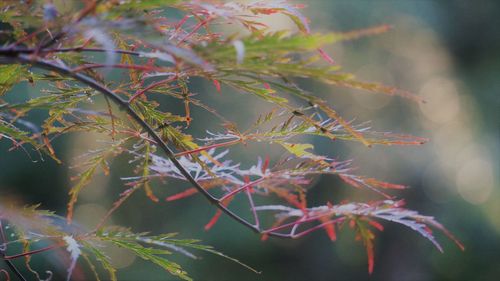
(217, 215)
(330, 230)
(214, 219)
(217, 85)
(376, 225)
(369, 253)
(266, 164)
(186, 193)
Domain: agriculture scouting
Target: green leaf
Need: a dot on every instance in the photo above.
(163, 241)
(151, 254)
(18, 136)
(93, 268)
(102, 258)
(84, 178)
(251, 87)
(10, 75)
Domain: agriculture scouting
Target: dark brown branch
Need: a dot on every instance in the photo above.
(125, 105)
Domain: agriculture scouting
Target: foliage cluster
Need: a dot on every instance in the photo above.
(159, 46)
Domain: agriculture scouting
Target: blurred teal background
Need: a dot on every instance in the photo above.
(445, 51)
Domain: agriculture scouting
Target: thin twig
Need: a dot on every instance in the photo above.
(239, 189)
(9, 263)
(151, 86)
(29, 253)
(252, 207)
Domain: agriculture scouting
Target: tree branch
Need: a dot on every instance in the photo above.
(10, 57)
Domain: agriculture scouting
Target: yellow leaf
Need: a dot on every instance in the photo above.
(300, 150)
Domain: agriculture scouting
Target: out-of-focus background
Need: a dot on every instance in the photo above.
(445, 51)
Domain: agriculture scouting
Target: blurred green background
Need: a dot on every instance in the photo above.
(446, 51)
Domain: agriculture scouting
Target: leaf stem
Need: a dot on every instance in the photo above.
(33, 252)
(151, 86)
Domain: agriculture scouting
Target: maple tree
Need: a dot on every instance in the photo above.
(159, 53)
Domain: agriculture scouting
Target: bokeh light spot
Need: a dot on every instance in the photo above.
(443, 102)
(475, 180)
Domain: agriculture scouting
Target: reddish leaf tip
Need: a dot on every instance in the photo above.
(326, 56)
